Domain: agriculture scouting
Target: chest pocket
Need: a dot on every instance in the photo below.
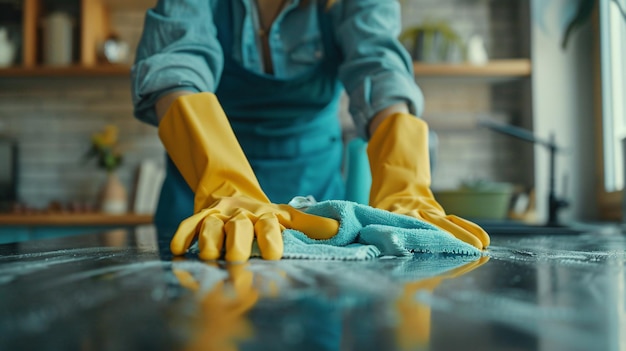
(307, 51)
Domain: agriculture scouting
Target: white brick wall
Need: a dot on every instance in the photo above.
(54, 118)
(53, 121)
(466, 151)
(453, 107)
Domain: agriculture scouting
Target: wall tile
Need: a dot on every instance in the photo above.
(54, 118)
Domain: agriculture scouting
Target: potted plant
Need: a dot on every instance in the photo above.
(104, 147)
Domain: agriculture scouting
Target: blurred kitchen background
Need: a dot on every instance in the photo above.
(65, 78)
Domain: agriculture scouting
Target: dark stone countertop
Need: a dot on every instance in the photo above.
(117, 291)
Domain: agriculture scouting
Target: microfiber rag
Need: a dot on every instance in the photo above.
(366, 232)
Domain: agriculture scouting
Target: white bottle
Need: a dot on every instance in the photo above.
(7, 49)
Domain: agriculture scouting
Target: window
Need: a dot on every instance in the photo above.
(613, 66)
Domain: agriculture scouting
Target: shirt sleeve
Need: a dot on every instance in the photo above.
(178, 50)
(377, 71)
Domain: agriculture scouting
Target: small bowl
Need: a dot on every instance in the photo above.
(490, 202)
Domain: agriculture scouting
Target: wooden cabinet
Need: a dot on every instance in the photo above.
(17, 228)
(92, 27)
(92, 30)
(73, 220)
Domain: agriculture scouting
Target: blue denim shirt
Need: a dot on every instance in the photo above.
(179, 50)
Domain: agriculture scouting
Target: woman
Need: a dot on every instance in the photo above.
(249, 89)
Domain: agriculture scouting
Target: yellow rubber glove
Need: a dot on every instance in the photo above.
(221, 323)
(229, 205)
(400, 166)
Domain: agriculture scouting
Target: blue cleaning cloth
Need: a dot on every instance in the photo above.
(366, 233)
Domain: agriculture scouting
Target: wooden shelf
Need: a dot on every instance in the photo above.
(60, 219)
(500, 68)
(514, 68)
(130, 5)
(69, 71)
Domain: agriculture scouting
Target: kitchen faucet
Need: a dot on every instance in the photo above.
(555, 204)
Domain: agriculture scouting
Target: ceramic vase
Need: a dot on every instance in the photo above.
(476, 51)
(58, 39)
(7, 49)
(113, 199)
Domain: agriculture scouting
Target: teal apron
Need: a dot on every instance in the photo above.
(288, 128)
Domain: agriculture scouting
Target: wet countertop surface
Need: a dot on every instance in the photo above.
(118, 291)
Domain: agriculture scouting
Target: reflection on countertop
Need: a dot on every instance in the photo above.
(118, 291)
